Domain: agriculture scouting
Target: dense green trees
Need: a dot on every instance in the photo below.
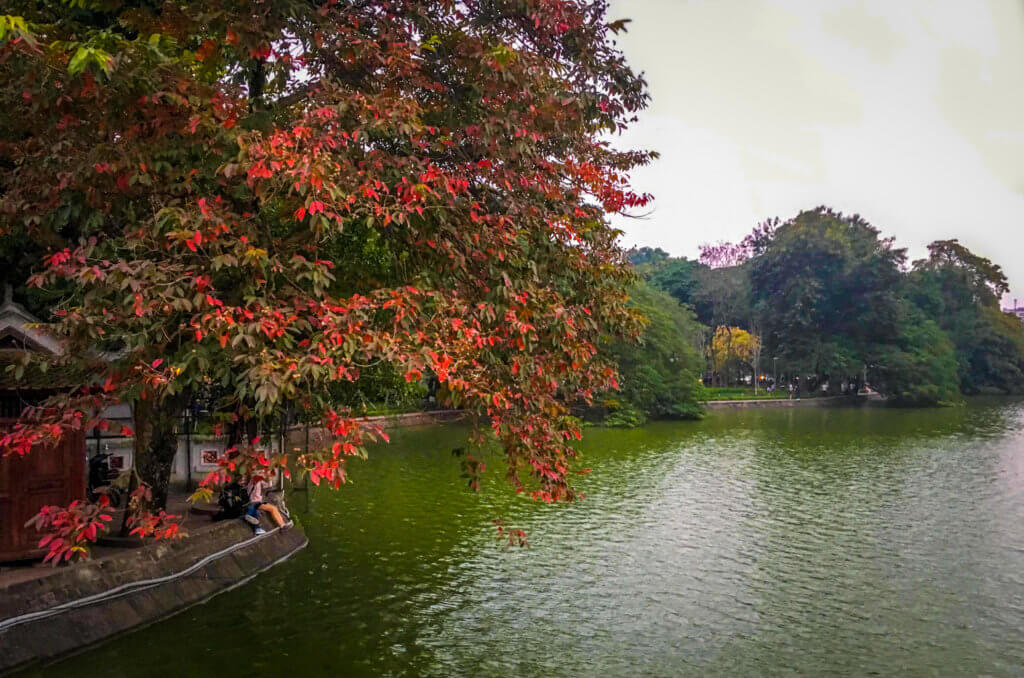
(918, 365)
(679, 277)
(961, 291)
(661, 377)
(833, 301)
(825, 289)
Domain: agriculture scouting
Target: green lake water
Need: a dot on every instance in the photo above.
(833, 542)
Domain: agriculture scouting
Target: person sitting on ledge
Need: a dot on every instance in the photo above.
(257, 486)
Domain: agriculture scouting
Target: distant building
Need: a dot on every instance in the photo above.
(57, 475)
(47, 474)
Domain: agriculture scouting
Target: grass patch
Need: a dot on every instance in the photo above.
(742, 393)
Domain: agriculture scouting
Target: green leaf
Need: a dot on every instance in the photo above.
(13, 27)
(78, 61)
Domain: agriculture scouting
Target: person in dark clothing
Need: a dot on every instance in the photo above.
(232, 501)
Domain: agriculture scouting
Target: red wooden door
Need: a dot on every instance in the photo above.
(47, 475)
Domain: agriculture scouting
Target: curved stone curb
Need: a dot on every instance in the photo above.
(100, 599)
(830, 401)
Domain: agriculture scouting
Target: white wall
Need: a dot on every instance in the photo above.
(205, 451)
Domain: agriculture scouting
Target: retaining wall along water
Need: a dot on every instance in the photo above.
(44, 616)
(832, 401)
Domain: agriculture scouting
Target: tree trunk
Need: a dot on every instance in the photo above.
(156, 443)
(243, 430)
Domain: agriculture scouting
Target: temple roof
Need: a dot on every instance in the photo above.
(22, 331)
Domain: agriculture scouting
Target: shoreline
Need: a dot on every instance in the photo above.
(827, 401)
(48, 614)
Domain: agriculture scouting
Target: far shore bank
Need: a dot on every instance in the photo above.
(827, 401)
(434, 417)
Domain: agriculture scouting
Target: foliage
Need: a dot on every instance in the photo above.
(920, 368)
(826, 288)
(830, 297)
(977, 275)
(627, 416)
(380, 388)
(680, 278)
(961, 291)
(724, 254)
(646, 259)
(142, 521)
(659, 378)
(722, 296)
(732, 348)
(261, 205)
(68, 531)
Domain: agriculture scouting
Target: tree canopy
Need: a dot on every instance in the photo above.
(831, 297)
(961, 291)
(660, 378)
(733, 349)
(825, 288)
(261, 202)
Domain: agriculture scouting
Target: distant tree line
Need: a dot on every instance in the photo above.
(829, 301)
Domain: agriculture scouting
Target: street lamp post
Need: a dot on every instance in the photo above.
(775, 362)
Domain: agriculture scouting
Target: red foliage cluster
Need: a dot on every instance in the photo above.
(144, 522)
(69, 531)
(159, 525)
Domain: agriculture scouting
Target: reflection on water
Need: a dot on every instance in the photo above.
(788, 542)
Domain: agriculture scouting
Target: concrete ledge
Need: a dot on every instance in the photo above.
(316, 436)
(833, 401)
(416, 418)
(233, 557)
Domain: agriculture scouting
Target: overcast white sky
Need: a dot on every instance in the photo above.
(909, 112)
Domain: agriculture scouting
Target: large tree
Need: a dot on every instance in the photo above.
(733, 352)
(961, 291)
(660, 378)
(261, 199)
(918, 366)
(826, 287)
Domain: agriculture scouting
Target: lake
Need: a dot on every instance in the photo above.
(791, 542)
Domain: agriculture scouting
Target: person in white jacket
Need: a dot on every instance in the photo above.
(257, 486)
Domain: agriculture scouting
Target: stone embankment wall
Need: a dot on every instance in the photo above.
(417, 418)
(835, 401)
(318, 437)
(45, 615)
